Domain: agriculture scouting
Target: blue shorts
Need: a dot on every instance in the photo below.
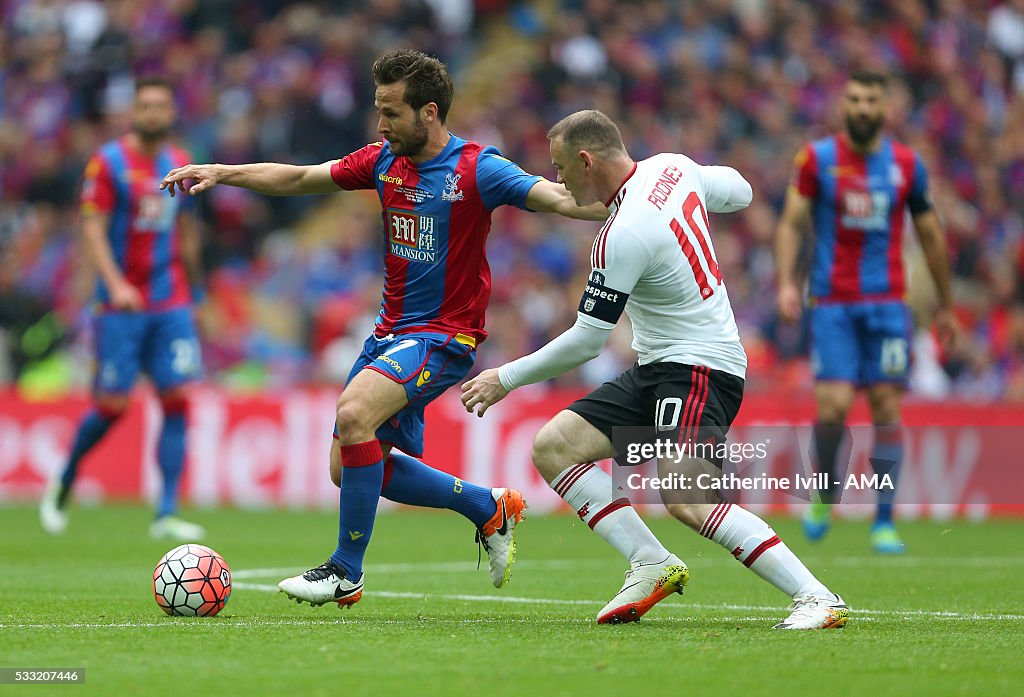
(163, 344)
(861, 343)
(426, 364)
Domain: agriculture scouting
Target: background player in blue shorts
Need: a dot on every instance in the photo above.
(145, 248)
(857, 187)
(437, 192)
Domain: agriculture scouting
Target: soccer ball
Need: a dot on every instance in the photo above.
(192, 580)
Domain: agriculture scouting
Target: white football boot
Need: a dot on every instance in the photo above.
(323, 584)
(810, 612)
(52, 516)
(497, 535)
(174, 528)
(646, 585)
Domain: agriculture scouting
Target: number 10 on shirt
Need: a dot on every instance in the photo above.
(691, 204)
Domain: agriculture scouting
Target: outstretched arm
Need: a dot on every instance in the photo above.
(270, 178)
(549, 197)
(582, 342)
(603, 301)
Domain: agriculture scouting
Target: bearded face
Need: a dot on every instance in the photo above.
(862, 128)
(153, 113)
(864, 112)
(412, 142)
(401, 125)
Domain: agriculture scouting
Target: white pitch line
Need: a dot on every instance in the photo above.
(936, 614)
(429, 567)
(446, 596)
(674, 606)
(205, 622)
(554, 564)
(198, 623)
(918, 561)
(441, 567)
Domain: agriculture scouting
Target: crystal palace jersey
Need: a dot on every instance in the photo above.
(655, 254)
(859, 213)
(436, 218)
(122, 183)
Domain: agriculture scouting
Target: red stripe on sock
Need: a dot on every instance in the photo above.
(174, 404)
(361, 454)
(888, 434)
(719, 521)
(761, 549)
(610, 508)
(109, 413)
(571, 480)
(573, 477)
(559, 485)
(711, 515)
(709, 521)
(714, 520)
(389, 469)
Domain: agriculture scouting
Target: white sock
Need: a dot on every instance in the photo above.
(753, 542)
(589, 490)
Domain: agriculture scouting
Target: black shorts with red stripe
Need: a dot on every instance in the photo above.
(688, 403)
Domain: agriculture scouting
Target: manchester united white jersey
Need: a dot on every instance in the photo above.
(654, 257)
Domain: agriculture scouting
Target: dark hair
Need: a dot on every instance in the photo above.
(588, 130)
(869, 78)
(144, 81)
(426, 79)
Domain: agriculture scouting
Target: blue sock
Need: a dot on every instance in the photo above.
(90, 430)
(362, 475)
(170, 455)
(885, 459)
(417, 484)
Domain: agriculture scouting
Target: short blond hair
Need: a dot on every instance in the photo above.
(589, 130)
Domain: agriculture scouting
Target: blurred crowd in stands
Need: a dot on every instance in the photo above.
(293, 283)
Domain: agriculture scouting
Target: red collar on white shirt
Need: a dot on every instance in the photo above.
(616, 196)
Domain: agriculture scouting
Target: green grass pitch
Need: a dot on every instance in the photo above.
(946, 619)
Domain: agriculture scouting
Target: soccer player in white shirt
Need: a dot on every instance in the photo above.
(654, 259)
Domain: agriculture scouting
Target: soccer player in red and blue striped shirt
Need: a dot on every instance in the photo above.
(145, 249)
(857, 188)
(437, 192)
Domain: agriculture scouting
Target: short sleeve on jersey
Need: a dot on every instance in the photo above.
(355, 170)
(502, 182)
(917, 198)
(98, 194)
(805, 172)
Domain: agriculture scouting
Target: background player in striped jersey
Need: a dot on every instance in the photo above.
(145, 248)
(654, 259)
(857, 186)
(437, 192)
